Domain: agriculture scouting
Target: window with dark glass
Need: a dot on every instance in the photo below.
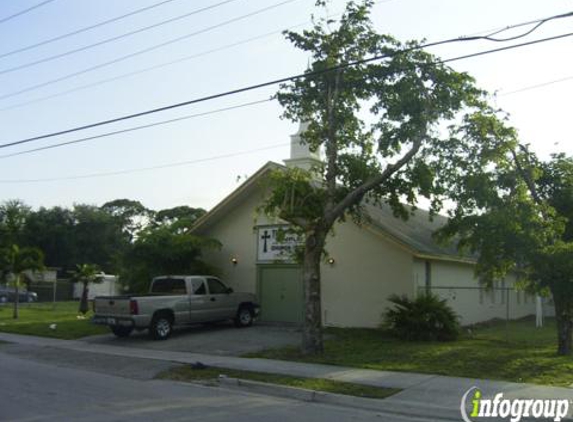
(216, 287)
(169, 286)
(199, 287)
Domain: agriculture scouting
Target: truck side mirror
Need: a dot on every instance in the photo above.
(229, 290)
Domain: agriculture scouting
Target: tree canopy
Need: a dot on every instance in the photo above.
(120, 237)
(522, 226)
(393, 130)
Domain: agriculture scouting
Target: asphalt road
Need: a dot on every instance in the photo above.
(46, 384)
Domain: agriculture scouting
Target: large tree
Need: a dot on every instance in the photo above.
(99, 237)
(13, 216)
(518, 218)
(183, 216)
(131, 215)
(165, 248)
(52, 230)
(383, 127)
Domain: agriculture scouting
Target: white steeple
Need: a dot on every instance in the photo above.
(300, 154)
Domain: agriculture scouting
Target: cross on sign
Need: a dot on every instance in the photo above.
(266, 236)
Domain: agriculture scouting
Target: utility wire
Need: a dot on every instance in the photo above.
(22, 12)
(537, 22)
(107, 134)
(162, 65)
(151, 68)
(145, 50)
(89, 69)
(530, 87)
(142, 169)
(115, 38)
(135, 128)
(85, 29)
(204, 53)
(278, 81)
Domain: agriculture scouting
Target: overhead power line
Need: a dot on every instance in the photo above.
(145, 50)
(151, 68)
(22, 12)
(115, 38)
(135, 128)
(536, 86)
(279, 81)
(142, 169)
(107, 134)
(537, 22)
(210, 51)
(84, 29)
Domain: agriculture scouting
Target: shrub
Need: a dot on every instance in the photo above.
(426, 318)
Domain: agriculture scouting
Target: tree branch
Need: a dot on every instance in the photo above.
(297, 221)
(526, 176)
(357, 194)
(331, 144)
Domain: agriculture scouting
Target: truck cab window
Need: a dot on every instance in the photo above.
(216, 287)
(169, 286)
(199, 287)
(178, 286)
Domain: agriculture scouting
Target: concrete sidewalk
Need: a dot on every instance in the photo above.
(422, 394)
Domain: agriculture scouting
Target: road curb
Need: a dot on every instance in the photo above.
(302, 394)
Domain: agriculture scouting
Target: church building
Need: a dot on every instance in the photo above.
(365, 265)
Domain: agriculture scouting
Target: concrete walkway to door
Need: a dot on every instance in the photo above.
(215, 339)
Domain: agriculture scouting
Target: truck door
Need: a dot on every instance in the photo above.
(199, 301)
(223, 303)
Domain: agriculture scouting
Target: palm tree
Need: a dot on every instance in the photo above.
(15, 262)
(85, 274)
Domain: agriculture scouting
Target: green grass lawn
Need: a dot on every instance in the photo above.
(188, 374)
(36, 318)
(521, 353)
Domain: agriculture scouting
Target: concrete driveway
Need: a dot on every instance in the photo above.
(218, 339)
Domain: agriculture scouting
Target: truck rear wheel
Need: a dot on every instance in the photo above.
(121, 331)
(244, 317)
(161, 327)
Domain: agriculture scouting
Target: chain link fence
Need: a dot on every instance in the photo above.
(479, 304)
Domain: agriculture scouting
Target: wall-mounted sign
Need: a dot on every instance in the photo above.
(275, 243)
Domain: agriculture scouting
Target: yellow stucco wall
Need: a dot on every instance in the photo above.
(456, 283)
(236, 231)
(367, 269)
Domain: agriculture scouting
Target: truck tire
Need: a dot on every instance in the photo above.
(244, 317)
(3, 299)
(120, 331)
(161, 327)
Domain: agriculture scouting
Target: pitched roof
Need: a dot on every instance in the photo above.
(415, 233)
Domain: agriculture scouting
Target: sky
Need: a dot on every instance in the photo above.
(212, 46)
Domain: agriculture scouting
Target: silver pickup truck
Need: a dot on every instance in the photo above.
(175, 300)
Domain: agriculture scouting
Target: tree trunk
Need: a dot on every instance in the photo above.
(564, 319)
(16, 297)
(312, 327)
(84, 300)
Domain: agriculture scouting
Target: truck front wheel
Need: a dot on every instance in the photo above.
(244, 317)
(120, 331)
(161, 327)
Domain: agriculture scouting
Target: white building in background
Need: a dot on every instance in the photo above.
(108, 287)
(367, 263)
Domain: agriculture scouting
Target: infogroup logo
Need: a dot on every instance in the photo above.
(512, 409)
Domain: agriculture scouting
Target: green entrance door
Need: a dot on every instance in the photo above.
(280, 292)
